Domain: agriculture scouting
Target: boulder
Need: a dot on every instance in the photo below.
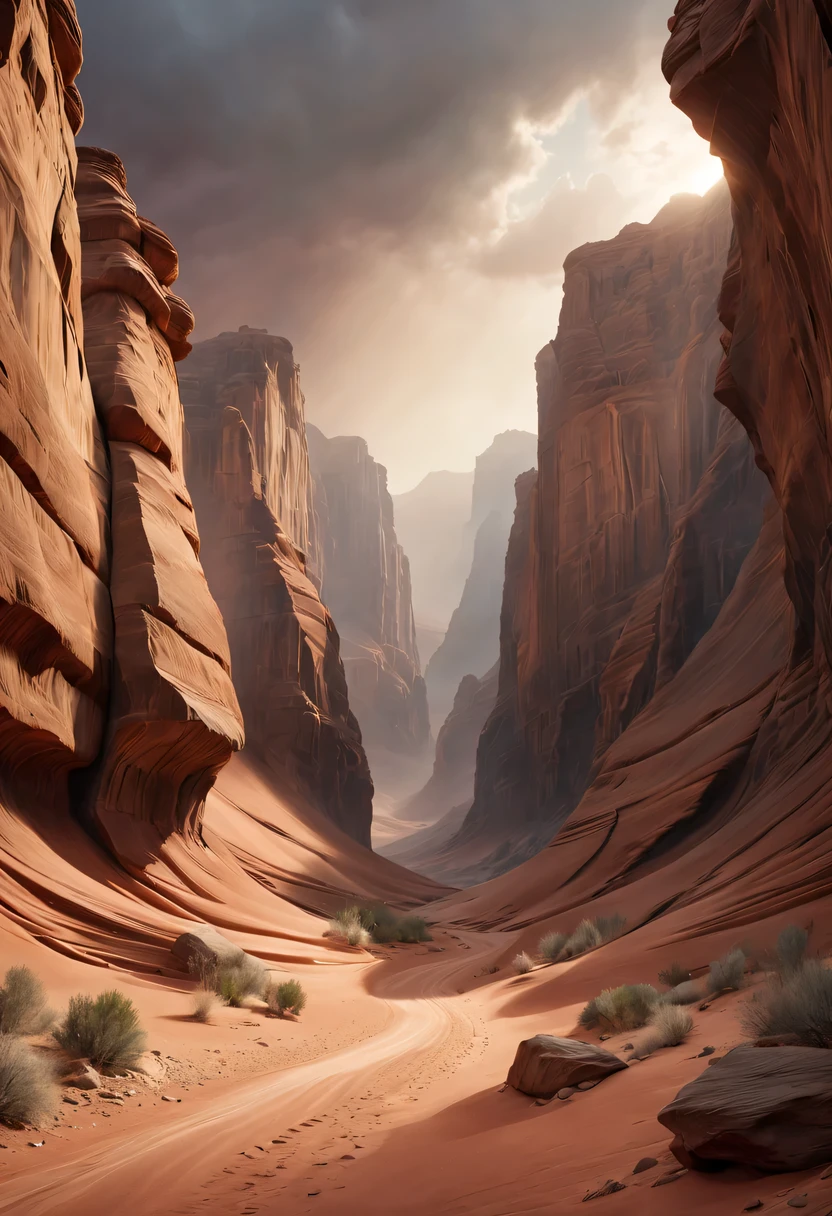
(87, 1078)
(766, 1108)
(205, 944)
(545, 1064)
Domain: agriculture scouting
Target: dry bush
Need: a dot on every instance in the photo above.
(550, 947)
(347, 925)
(205, 1000)
(104, 1030)
(626, 1008)
(674, 975)
(288, 997)
(728, 972)
(799, 1004)
(586, 937)
(687, 993)
(23, 1008)
(669, 1026)
(790, 952)
(28, 1092)
(412, 929)
(522, 963)
(240, 976)
(610, 927)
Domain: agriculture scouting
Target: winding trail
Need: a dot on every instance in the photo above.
(159, 1168)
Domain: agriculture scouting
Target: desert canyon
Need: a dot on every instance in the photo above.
(275, 739)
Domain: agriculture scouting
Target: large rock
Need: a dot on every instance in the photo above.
(762, 1107)
(248, 469)
(545, 1064)
(205, 946)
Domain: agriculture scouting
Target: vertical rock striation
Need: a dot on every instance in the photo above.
(365, 581)
(248, 468)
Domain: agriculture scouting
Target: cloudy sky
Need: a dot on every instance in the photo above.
(391, 184)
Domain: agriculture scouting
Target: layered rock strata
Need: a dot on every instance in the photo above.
(365, 581)
(248, 468)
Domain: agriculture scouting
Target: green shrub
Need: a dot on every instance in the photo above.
(728, 972)
(792, 945)
(288, 997)
(23, 1008)
(674, 975)
(669, 1026)
(413, 929)
(550, 947)
(233, 978)
(593, 933)
(588, 1017)
(625, 1008)
(104, 1030)
(799, 1004)
(522, 963)
(28, 1092)
(687, 993)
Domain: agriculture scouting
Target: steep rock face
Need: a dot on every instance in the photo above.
(365, 580)
(174, 718)
(249, 471)
(471, 644)
(646, 504)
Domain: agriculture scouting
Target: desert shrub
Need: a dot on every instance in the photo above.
(799, 1004)
(348, 926)
(627, 1007)
(204, 1001)
(586, 937)
(104, 1030)
(687, 993)
(550, 946)
(23, 1008)
(610, 927)
(588, 1017)
(669, 1026)
(27, 1083)
(674, 975)
(727, 972)
(522, 963)
(288, 997)
(240, 976)
(790, 952)
(413, 929)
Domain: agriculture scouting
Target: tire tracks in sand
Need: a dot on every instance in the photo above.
(220, 1155)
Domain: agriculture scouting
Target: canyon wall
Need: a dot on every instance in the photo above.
(248, 468)
(365, 581)
(471, 644)
(645, 506)
(114, 656)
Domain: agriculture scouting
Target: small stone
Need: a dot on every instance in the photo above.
(586, 1085)
(706, 1051)
(36, 1143)
(72, 1101)
(542, 1101)
(798, 1201)
(88, 1078)
(705, 1005)
(609, 1188)
(155, 1052)
(436, 949)
(754, 1206)
(673, 1176)
(604, 1037)
(108, 1093)
(628, 1047)
(348, 1157)
(567, 1092)
(311, 1193)
(279, 1141)
(167, 1098)
(646, 1163)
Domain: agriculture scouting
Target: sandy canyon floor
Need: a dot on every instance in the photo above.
(387, 1096)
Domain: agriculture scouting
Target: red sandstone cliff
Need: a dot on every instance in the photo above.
(365, 582)
(248, 468)
(645, 507)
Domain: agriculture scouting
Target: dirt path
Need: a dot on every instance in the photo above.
(218, 1150)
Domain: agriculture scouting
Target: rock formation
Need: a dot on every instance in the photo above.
(365, 581)
(431, 523)
(645, 507)
(248, 468)
(113, 650)
(471, 644)
(544, 1064)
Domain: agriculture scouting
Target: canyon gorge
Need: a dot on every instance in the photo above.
(249, 695)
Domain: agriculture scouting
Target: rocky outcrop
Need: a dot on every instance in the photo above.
(113, 652)
(646, 505)
(248, 469)
(471, 644)
(545, 1064)
(767, 1108)
(173, 715)
(365, 581)
(431, 523)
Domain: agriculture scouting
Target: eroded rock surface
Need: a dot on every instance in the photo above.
(365, 582)
(248, 469)
(545, 1064)
(768, 1108)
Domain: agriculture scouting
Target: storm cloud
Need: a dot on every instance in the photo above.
(311, 157)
